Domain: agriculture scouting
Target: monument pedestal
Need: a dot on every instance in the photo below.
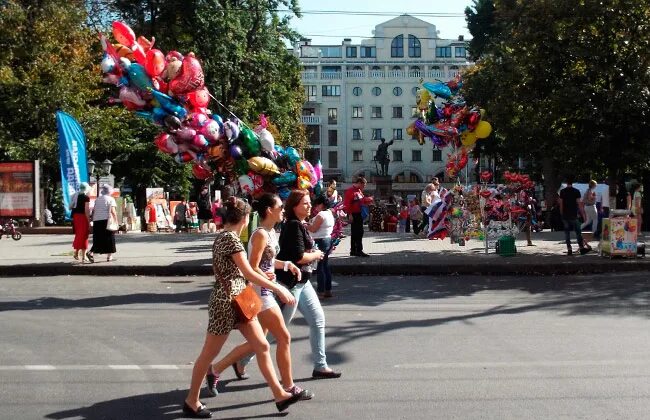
(384, 185)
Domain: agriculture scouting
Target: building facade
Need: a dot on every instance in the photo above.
(358, 94)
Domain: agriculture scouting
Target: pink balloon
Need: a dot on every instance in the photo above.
(200, 172)
(155, 62)
(139, 54)
(186, 134)
(166, 143)
(211, 130)
(189, 78)
(198, 120)
(199, 142)
(123, 34)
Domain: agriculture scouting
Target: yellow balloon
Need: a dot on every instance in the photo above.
(303, 183)
(263, 166)
(468, 138)
(483, 130)
(410, 130)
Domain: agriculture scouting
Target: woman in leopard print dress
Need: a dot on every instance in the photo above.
(231, 269)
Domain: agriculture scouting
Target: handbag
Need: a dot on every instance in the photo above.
(247, 304)
(112, 225)
(286, 278)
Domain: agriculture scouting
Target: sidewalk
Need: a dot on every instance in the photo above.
(172, 254)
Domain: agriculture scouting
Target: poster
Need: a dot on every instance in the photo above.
(18, 189)
(619, 236)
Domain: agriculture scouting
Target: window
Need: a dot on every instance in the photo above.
(397, 91)
(357, 112)
(310, 91)
(330, 52)
(415, 112)
(397, 134)
(309, 111)
(415, 49)
(443, 51)
(376, 112)
(332, 137)
(414, 71)
(334, 90)
(350, 52)
(376, 133)
(415, 90)
(460, 52)
(357, 91)
(313, 134)
(397, 46)
(397, 112)
(416, 156)
(437, 155)
(376, 91)
(397, 155)
(332, 159)
(357, 155)
(368, 52)
(357, 134)
(332, 115)
(312, 155)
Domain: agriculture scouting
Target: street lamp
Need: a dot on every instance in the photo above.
(105, 171)
(106, 166)
(91, 167)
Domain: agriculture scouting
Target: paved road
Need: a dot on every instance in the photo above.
(410, 348)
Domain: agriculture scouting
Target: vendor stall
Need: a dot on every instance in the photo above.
(619, 234)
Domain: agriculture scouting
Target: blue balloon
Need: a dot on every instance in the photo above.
(438, 89)
(139, 76)
(292, 154)
(286, 178)
(283, 193)
(169, 104)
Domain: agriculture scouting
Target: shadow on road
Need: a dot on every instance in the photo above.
(163, 406)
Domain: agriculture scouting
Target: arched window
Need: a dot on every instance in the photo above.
(414, 71)
(397, 46)
(396, 68)
(397, 91)
(376, 68)
(357, 68)
(415, 49)
(376, 91)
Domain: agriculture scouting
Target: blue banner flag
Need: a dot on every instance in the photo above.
(72, 153)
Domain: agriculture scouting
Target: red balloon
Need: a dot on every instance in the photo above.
(199, 98)
(200, 172)
(123, 34)
(154, 62)
(189, 78)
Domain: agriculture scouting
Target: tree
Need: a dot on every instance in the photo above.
(565, 84)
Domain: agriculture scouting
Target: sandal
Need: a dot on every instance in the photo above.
(200, 413)
(240, 376)
(90, 257)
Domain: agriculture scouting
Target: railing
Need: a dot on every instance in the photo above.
(380, 74)
(310, 119)
(331, 75)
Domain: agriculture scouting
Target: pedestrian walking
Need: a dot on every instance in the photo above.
(352, 202)
(321, 228)
(415, 214)
(297, 246)
(262, 250)
(570, 205)
(205, 209)
(80, 209)
(589, 202)
(636, 206)
(181, 215)
(104, 212)
(231, 270)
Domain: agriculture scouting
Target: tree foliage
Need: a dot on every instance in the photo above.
(566, 82)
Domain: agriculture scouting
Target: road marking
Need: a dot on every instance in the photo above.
(541, 363)
(92, 367)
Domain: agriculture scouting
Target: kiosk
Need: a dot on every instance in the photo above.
(619, 234)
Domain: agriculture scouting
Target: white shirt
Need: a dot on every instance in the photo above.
(326, 227)
(102, 209)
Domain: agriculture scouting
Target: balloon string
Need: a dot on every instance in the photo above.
(230, 112)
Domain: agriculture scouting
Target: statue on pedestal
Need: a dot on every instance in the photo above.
(381, 156)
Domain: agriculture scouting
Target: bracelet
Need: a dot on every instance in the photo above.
(286, 265)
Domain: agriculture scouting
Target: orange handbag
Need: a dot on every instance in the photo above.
(247, 304)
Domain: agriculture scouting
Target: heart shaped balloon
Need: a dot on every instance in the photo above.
(189, 78)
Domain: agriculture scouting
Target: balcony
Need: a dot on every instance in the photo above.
(379, 74)
(310, 119)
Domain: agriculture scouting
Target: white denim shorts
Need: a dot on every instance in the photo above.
(267, 296)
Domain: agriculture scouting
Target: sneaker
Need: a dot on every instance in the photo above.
(211, 381)
(362, 254)
(305, 394)
(583, 251)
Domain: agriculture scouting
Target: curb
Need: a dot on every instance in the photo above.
(457, 268)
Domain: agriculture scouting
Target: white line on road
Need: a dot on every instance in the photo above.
(92, 367)
(542, 363)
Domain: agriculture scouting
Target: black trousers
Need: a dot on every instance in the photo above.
(356, 237)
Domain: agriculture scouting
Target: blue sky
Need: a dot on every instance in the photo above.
(340, 26)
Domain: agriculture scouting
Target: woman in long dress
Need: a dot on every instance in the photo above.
(80, 207)
(103, 212)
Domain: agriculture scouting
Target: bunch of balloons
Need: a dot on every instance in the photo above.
(454, 123)
(169, 90)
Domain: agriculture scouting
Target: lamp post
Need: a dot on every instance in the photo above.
(104, 174)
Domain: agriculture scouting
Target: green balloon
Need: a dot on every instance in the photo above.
(250, 141)
(241, 166)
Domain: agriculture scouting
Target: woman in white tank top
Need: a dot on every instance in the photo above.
(321, 230)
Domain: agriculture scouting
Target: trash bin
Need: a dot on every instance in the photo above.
(506, 246)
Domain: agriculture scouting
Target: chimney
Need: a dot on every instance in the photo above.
(347, 41)
(461, 37)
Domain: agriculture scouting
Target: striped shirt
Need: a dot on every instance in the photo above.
(102, 209)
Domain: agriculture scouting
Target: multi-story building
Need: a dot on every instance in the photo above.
(358, 94)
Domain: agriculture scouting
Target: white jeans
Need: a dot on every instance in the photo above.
(591, 217)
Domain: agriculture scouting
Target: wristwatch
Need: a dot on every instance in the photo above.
(286, 265)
